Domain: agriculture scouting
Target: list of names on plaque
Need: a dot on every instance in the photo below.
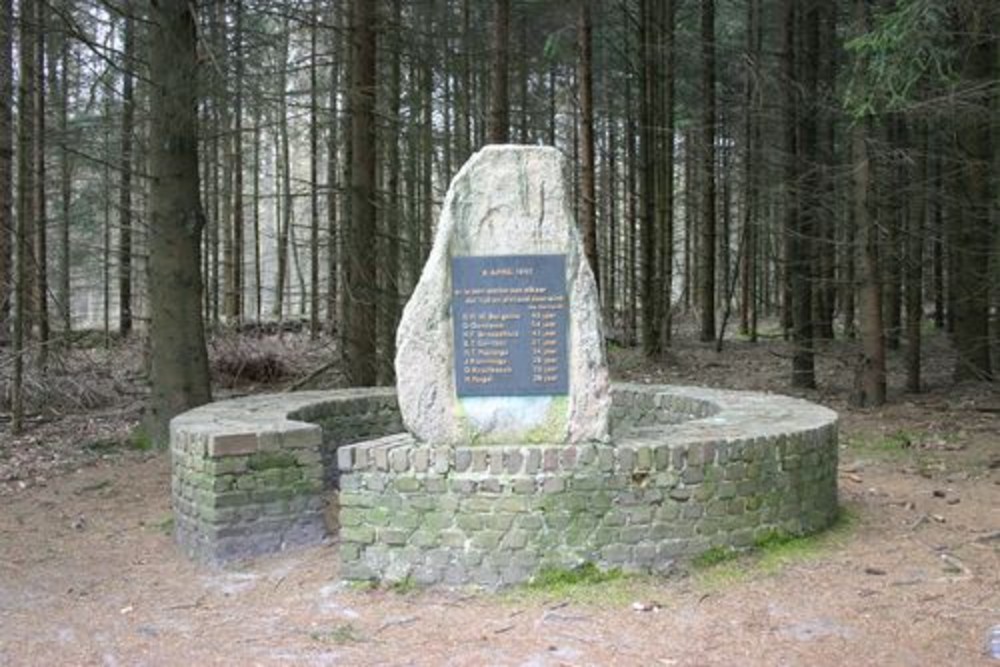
(510, 318)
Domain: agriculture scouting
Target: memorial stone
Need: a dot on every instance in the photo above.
(501, 341)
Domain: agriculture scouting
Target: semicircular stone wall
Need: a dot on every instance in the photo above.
(688, 469)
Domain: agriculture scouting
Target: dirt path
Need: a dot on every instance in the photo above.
(89, 575)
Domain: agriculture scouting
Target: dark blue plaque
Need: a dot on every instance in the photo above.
(510, 315)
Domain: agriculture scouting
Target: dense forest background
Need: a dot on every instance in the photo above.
(797, 169)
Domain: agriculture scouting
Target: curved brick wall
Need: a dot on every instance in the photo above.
(255, 475)
(689, 469)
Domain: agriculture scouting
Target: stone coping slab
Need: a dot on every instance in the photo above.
(269, 422)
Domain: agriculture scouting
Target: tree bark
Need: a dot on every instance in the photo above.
(66, 191)
(585, 79)
(179, 372)
(360, 297)
(314, 296)
(666, 171)
(650, 296)
(801, 167)
(869, 379)
(392, 220)
(283, 182)
(7, 236)
(917, 212)
(973, 239)
(706, 281)
(41, 281)
(125, 186)
(499, 130)
(22, 229)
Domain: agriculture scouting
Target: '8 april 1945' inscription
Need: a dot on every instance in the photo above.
(510, 317)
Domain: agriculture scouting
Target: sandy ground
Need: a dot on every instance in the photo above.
(89, 575)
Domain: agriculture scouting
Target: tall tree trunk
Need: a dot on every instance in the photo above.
(236, 306)
(65, 189)
(179, 372)
(666, 206)
(392, 218)
(464, 101)
(39, 199)
(283, 202)
(125, 192)
(256, 219)
(706, 281)
(22, 229)
(937, 239)
(427, 143)
(870, 380)
(973, 238)
(332, 170)
(611, 202)
(106, 227)
(313, 179)
(499, 131)
(915, 259)
(870, 384)
(361, 295)
(802, 166)
(894, 211)
(650, 297)
(750, 166)
(825, 246)
(848, 283)
(585, 76)
(7, 235)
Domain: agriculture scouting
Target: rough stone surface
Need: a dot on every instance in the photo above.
(506, 200)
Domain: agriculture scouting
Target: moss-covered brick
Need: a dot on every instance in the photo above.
(470, 523)
(615, 554)
(487, 540)
(514, 540)
(523, 486)
(437, 520)
(352, 516)
(512, 504)
(477, 504)
(553, 484)
(407, 484)
(224, 466)
(424, 539)
(640, 514)
(270, 460)
(227, 499)
(461, 486)
(394, 536)
(490, 485)
(499, 521)
(452, 538)
(224, 483)
(586, 483)
(356, 499)
(306, 486)
(358, 534)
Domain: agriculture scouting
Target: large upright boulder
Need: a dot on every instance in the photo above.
(526, 304)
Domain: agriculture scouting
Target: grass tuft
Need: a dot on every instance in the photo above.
(587, 574)
(770, 552)
(345, 633)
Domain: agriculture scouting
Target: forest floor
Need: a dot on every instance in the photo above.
(911, 576)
